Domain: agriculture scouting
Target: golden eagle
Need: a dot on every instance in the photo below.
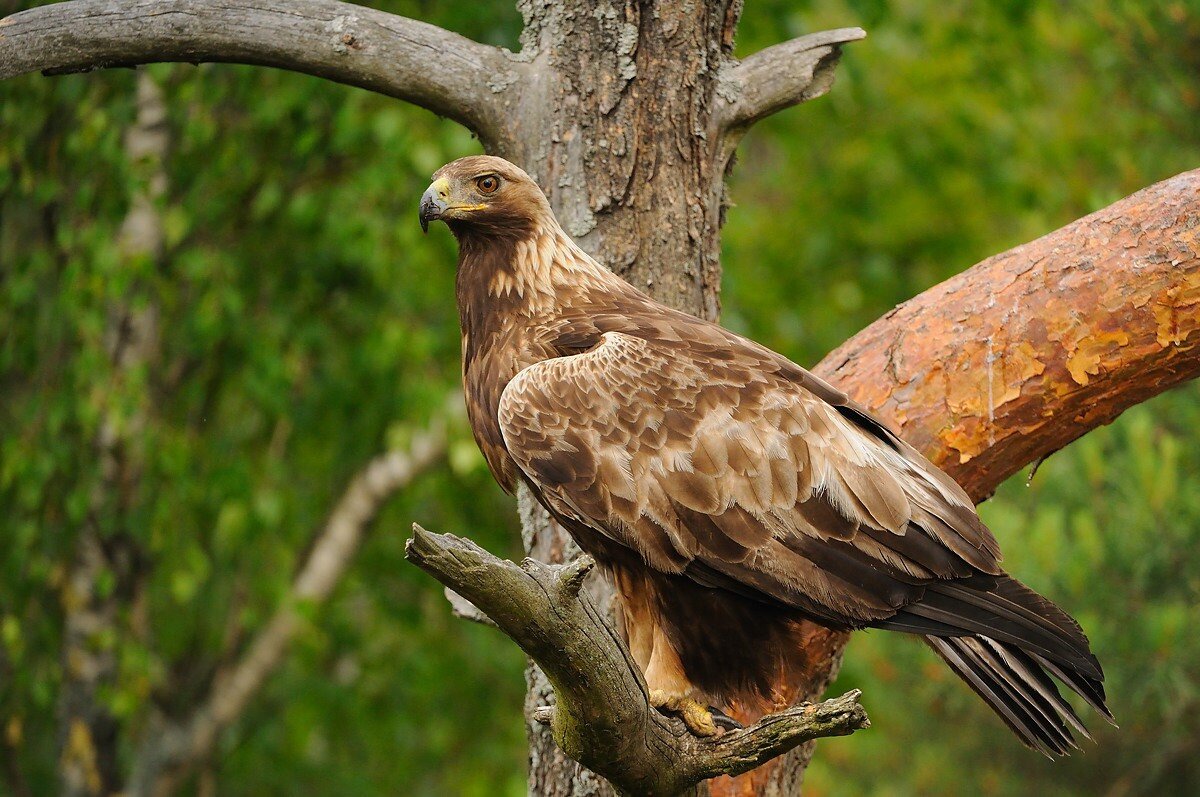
(727, 492)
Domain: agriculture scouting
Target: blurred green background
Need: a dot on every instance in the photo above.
(307, 326)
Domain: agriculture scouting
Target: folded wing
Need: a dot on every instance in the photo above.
(714, 466)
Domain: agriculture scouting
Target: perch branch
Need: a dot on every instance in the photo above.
(1016, 357)
(602, 716)
(393, 55)
(193, 739)
(781, 76)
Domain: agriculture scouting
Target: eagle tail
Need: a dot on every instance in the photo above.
(1005, 641)
(1016, 688)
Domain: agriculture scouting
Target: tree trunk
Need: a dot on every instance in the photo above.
(89, 735)
(629, 125)
(619, 131)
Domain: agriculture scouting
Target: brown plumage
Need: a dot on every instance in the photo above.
(728, 492)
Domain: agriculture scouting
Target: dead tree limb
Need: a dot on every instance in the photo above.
(423, 64)
(602, 716)
(781, 76)
(174, 747)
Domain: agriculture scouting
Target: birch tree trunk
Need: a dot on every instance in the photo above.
(90, 734)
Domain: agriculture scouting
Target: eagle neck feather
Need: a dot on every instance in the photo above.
(518, 294)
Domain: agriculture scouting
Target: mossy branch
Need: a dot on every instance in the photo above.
(602, 716)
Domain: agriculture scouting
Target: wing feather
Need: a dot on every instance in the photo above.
(741, 471)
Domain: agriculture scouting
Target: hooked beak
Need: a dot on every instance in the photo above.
(434, 202)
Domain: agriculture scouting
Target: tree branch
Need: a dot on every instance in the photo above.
(781, 76)
(602, 716)
(393, 55)
(174, 748)
(1016, 357)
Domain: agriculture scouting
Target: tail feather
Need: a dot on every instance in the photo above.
(1019, 662)
(1030, 705)
(1091, 690)
(1006, 642)
(992, 611)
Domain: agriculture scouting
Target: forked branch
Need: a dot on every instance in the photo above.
(602, 716)
(450, 75)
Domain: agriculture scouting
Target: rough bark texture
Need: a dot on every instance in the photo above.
(629, 118)
(1023, 353)
(601, 714)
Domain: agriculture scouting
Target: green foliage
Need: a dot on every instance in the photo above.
(306, 326)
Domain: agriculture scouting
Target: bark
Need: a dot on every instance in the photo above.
(601, 715)
(173, 748)
(1018, 356)
(630, 118)
(93, 613)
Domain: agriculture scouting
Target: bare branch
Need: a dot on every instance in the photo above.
(393, 55)
(463, 609)
(781, 76)
(184, 744)
(602, 716)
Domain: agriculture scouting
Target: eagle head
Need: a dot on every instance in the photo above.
(484, 194)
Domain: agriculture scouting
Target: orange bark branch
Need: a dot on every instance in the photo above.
(1016, 357)
(1013, 359)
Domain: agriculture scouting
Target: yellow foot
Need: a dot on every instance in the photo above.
(695, 715)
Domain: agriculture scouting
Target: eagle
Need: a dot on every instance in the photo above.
(728, 493)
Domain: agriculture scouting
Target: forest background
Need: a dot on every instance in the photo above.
(306, 326)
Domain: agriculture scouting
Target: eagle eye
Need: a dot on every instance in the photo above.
(487, 184)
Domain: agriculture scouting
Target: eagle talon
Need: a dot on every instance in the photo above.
(724, 721)
(697, 718)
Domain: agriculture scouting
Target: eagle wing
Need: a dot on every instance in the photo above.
(726, 463)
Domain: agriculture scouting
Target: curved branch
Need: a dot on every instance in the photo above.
(393, 55)
(781, 76)
(173, 748)
(1014, 358)
(602, 717)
